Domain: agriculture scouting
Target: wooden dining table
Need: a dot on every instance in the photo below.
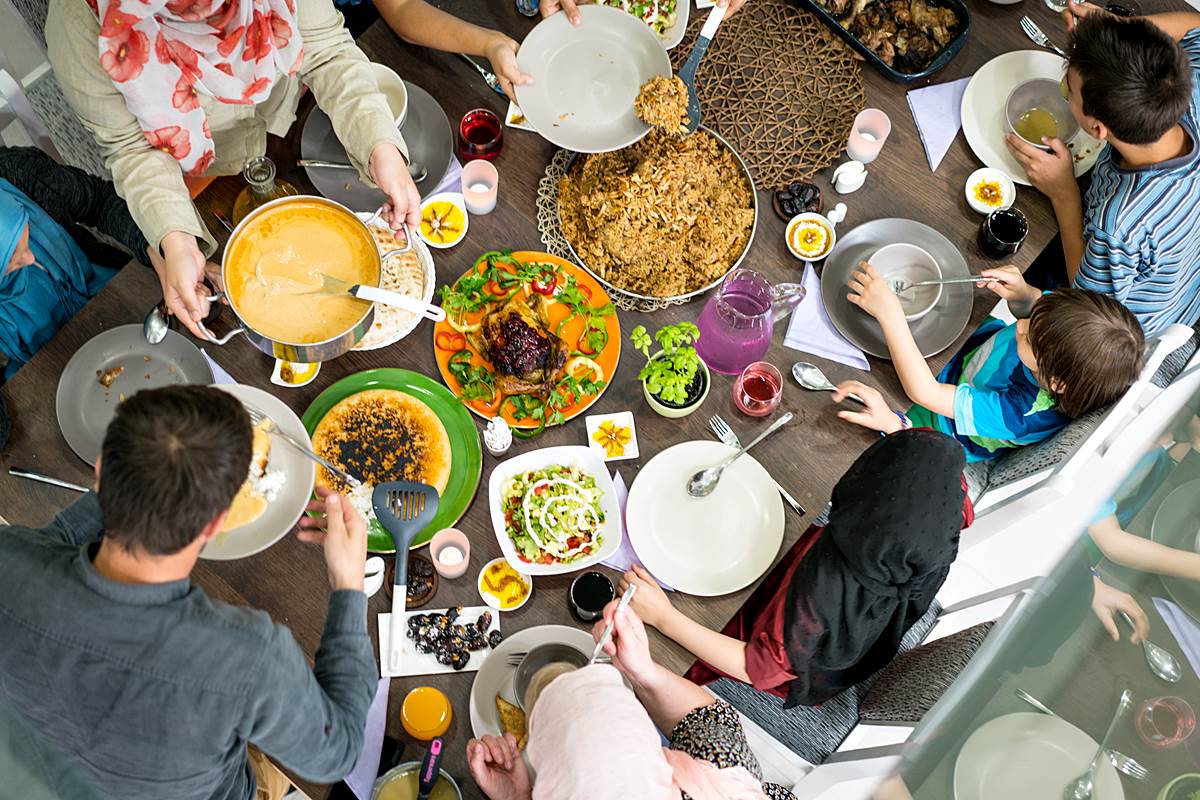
(807, 458)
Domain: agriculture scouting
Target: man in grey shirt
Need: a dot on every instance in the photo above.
(148, 687)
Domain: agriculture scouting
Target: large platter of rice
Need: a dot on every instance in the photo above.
(663, 219)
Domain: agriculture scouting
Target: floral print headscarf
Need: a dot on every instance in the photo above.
(162, 54)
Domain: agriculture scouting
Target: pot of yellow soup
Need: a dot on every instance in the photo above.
(274, 260)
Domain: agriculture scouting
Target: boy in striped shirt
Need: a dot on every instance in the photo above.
(1135, 235)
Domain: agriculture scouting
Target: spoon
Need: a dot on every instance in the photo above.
(155, 326)
(703, 482)
(333, 286)
(687, 73)
(898, 285)
(810, 377)
(416, 170)
(608, 629)
(1161, 662)
(1082, 787)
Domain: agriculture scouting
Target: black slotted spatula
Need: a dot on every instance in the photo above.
(404, 509)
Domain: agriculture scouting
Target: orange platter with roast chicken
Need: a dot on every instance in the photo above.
(528, 337)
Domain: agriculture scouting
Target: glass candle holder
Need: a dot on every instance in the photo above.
(758, 390)
(867, 135)
(480, 186)
(480, 135)
(1164, 722)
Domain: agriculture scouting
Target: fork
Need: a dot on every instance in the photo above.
(258, 416)
(1039, 37)
(725, 434)
(1120, 761)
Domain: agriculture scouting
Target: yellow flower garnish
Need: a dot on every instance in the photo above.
(613, 438)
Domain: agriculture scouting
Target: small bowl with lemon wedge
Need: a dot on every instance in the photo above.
(443, 220)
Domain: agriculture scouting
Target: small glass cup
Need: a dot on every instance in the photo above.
(758, 390)
(1164, 722)
(867, 135)
(589, 594)
(480, 135)
(1003, 232)
(480, 186)
(1124, 8)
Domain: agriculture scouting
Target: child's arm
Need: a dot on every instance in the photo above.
(1009, 283)
(872, 294)
(1133, 551)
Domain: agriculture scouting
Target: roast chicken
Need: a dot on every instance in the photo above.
(525, 353)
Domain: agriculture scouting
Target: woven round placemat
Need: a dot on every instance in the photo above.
(779, 86)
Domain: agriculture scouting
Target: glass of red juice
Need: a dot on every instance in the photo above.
(758, 390)
(1164, 722)
(480, 135)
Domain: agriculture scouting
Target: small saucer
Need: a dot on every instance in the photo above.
(301, 374)
(1008, 189)
(415, 600)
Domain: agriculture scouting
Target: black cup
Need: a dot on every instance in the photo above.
(1124, 8)
(589, 594)
(1003, 232)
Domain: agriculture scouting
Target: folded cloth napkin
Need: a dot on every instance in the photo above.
(811, 330)
(220, 376)
(361, 779)
(452, 182)
(1183, 628)
(937, 111)
(625, 557)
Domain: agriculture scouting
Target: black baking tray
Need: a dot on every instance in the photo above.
(939, 61)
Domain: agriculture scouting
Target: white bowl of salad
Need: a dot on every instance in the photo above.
(554, 510)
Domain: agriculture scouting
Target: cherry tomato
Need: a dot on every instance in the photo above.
(450, 340)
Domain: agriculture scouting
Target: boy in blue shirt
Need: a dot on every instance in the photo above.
(1069, 352)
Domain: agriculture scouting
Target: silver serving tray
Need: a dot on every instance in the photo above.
(681, 297)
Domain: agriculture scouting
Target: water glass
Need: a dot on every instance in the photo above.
(1164, 722)
(758, 390)
(480, 135)
(1057, 6)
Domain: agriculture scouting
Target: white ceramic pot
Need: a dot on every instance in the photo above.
(670, 412)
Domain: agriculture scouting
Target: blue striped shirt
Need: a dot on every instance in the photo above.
(1142, 227)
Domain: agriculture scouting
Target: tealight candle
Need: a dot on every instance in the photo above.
(867, 135)
(451, 552)
(480, 185)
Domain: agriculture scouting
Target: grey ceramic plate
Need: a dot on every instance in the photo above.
(426, 131)
(1028, 755)
(1175, 525)
(281, 515)
(85, 407)
(586, 77)
(934, 332)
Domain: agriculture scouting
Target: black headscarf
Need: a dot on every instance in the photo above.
(892, 535)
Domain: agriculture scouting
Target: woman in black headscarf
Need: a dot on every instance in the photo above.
(834, 609)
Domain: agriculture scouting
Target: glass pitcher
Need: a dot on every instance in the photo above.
(736, 323)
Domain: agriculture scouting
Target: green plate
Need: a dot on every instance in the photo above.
(466, 454)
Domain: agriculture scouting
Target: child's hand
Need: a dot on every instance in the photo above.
(871, 293)
(876, 416)
(1009, 283)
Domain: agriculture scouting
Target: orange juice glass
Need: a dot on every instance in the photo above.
(426, 713)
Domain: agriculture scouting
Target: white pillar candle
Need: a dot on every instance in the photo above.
(867, 135)
(480, 185)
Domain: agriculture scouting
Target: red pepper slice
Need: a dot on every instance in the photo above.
(584, 290)
(545, 284)
(450, 340)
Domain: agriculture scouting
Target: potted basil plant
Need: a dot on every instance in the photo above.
(674, 380)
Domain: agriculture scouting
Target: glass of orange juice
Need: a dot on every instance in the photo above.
(426, 713)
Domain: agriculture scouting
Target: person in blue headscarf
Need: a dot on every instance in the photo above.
(45, 210)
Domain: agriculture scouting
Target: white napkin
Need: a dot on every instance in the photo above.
(937, 111)
(361, 779)
(625, 557)
(1183, 628)
(220, 376)
(811, 330)
(452, 181)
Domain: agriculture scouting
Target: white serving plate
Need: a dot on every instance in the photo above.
(704, 546)
(983, 121)
(414, 662)
(581, 457)
(282, 514)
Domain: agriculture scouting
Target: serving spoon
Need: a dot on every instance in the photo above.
(703, 482)
(687, 73)
(155, 325)
(1161, 662)
(333, 286)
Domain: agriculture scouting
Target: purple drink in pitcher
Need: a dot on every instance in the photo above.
(735, 325)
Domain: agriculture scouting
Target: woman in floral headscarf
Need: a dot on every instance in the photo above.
(174, 88)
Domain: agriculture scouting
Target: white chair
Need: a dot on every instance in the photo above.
(42, 108)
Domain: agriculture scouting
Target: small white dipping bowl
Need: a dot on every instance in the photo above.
(907, 262)
(392, 87)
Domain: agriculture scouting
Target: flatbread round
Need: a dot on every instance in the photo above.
(402, 273)
(383, 435)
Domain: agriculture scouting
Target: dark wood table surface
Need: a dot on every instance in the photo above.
(288, 580)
